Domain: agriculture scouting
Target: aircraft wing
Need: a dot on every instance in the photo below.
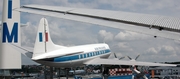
(123, 62)
(163, 26)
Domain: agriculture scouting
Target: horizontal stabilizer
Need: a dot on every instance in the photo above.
(25, 51)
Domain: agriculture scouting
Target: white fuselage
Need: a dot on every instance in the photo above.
(73, 56)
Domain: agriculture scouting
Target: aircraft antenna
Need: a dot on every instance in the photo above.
(45, 35)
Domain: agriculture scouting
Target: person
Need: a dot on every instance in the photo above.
(106, 73)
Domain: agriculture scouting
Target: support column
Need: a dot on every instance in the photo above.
(59, 71)
(67, 73)
(45, 72)
(105, 72)
(102, 71)
(51, 72)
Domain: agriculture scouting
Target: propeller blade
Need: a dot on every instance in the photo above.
(121, 58)
(115, 55)
(137, 57)
(129, 57)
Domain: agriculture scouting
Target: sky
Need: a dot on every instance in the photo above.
(121, 42)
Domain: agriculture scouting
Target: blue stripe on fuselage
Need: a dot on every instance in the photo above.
(81, 56)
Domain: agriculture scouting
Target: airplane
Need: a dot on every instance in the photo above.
(46, 52)
(155, 25)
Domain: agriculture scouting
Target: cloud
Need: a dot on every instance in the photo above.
(65, 3)
(121, 47)
(151, 51)
(71, 32)
(106, 36)
(177, 42)
(28, 35)
(162, 53)
(160, 7)
(127, 35)
(167, 50)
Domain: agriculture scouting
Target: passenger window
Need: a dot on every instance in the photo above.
(87, 54)
(97, 52)
(80, 56)
(90, 54)
(84, 55)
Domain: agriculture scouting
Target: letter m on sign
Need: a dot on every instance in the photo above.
(10, 35)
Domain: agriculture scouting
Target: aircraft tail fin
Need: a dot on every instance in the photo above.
(43, 42)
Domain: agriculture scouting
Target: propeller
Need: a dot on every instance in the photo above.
(133, 59)
(119, 58)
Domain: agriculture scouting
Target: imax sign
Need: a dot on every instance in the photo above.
(10, 35)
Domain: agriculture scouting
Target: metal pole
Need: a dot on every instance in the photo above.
(51, 72)
(45, 75)
(67, 73)
(102, 71)
(59, 69)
